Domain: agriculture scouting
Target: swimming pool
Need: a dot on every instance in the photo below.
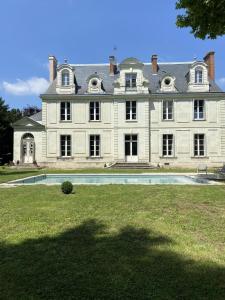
(97, 179)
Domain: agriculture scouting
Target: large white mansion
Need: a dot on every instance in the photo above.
(96, 114)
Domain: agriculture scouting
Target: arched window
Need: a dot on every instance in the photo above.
(27, 136)
(65, 78)
(198, 75)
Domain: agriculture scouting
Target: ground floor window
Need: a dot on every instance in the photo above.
(131, 146)
(168, 142)
(199, 145)
(65, 145)
(94, 145)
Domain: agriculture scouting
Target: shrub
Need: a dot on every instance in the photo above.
(67, 187)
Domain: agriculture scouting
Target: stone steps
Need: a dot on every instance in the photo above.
(132, 166)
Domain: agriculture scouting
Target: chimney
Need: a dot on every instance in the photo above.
(112, 65)
(209, 60)
(154, 64)
(52, 67)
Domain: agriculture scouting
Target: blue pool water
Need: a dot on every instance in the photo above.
(111, 179)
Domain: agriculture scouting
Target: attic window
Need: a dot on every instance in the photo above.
(167, 81)
(65, 78)
(94, 82)
(198, 75)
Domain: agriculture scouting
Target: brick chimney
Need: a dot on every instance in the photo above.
(112, 65)
(52, 67)
(154, 64)
(209, 60)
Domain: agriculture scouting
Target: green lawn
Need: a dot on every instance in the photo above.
(112, 242)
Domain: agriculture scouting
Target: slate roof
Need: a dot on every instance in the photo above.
(37, 117)
(178, 70)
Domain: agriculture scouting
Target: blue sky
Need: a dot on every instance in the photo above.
(86, 31)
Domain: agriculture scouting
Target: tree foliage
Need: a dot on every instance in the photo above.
(205, 17)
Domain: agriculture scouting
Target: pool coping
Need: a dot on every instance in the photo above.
(14, 183)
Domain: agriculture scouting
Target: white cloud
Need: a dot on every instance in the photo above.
(221, 82)
(32, 86)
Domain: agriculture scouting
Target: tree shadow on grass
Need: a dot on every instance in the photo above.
(88, 263)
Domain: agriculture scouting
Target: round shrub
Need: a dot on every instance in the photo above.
(67, 187)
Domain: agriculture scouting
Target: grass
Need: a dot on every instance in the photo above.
(112, 242)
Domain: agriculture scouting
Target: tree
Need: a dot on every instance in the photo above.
(30, 110)
(205, 17)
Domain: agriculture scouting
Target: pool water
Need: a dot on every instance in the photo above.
(111, 179)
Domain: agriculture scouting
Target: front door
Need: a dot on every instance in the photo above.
(131, 148)
(28, 151)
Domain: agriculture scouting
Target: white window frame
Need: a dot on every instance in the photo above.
(198, 145)
(95, 116)
(167, 145)
(166, 102)
(132, 114)
(65, 78)
(198, 75)
(95, 145)
(197, 117)
(67, 111)
(68, 144)
(132, 83)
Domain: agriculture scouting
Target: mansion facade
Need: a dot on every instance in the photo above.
(133, 112)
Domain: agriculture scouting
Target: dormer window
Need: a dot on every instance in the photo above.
(95, 84)
(168, 84)
(65, 78)
(198, 75)
(131, 80)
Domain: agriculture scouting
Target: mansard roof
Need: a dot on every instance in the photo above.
(179, 70)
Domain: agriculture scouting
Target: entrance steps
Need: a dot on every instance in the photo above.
(132, 166)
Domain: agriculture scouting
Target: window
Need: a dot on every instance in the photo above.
(199, 145)
(65, 78)
(168, 110)
(94, 111)
(199, 109)
(131, 110)
(65, 111)
(167, 144)
(94, 145)
(131, 80)
(198, 76)
(65, 145)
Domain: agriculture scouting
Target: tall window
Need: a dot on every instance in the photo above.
(94, 145)
(168, 110)
(65, 111)
(131, 80)
(199, 145)
(65, 145)
(199, 109)
(198, 76)
(168, 144)
(94, 111)
(131, 110)
(65, 78)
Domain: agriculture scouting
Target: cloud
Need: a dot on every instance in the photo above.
(32, 86)
(221, 82)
